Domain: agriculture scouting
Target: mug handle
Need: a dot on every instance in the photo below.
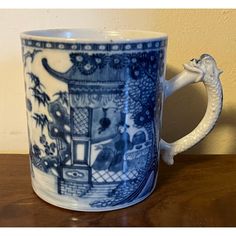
(203, 70)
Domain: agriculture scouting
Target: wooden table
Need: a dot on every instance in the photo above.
(197, 191)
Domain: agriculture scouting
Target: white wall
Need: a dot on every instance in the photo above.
(191, 32)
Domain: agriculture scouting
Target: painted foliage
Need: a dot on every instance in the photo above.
(97, 137)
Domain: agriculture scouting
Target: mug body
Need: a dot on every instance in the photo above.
(94, 106)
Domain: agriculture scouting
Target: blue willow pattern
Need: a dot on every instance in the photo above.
(97, 112)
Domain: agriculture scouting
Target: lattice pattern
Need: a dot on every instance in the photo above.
(105, 176)
(135, 161)
(80, 121)
(72, 188)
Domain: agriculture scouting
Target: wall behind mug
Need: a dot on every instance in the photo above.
(191, 33)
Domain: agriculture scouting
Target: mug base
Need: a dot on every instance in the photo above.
(76, 205)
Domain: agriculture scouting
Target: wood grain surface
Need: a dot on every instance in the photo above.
(196, 191)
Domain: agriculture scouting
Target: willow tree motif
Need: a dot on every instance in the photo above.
(41, 120)
(43, 151)
(63, 97)
(30, 55)
(35, 80)
(58, 126)
(41, 97)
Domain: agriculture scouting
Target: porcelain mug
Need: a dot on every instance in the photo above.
(94, 108)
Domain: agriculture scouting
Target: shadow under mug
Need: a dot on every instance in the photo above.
(94, 108)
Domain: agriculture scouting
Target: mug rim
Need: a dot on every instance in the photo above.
(74, 35)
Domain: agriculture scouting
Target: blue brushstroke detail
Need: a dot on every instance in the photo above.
(107, 96)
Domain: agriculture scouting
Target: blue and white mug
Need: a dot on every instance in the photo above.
(94, 108)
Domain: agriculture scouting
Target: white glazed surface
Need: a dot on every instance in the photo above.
(92, 35)
(77, 84)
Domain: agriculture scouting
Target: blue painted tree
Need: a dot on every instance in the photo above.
(59, 127)
(40, 96)
(43, 154)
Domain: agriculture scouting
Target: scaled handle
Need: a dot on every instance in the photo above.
(203, 70)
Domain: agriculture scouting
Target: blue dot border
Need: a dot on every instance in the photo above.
(149, 45)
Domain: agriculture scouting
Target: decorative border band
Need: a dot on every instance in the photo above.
(149, 45)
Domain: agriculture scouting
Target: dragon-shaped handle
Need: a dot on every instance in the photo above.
(203, 70)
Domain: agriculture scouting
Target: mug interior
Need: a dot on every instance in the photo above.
(92, 35)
